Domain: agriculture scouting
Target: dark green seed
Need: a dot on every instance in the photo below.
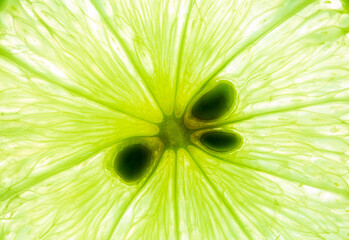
(220, 141)
(215, 103)
(132, 162)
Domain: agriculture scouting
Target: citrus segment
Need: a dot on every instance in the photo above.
(151, 33)
(67, 205)
(46, 130)
(218, 31)
(261, 200)
(308, 146)
(84, 58)
(150, 212)
(300, 63)
(203, 214)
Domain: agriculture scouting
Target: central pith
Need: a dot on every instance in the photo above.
(174, 133)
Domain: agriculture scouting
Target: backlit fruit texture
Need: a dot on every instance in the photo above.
(183, 119)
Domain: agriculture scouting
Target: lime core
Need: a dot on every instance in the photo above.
(174, 133)
(132, 162)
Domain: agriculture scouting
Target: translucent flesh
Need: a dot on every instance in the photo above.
(79, 77)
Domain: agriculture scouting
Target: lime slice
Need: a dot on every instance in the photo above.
(161, 119)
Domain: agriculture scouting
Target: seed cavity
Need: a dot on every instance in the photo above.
(132, 162)
(215, 103)
(221, 141)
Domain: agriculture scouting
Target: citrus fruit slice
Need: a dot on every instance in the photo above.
(185, 119)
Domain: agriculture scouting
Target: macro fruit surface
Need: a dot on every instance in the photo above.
(174, 119)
